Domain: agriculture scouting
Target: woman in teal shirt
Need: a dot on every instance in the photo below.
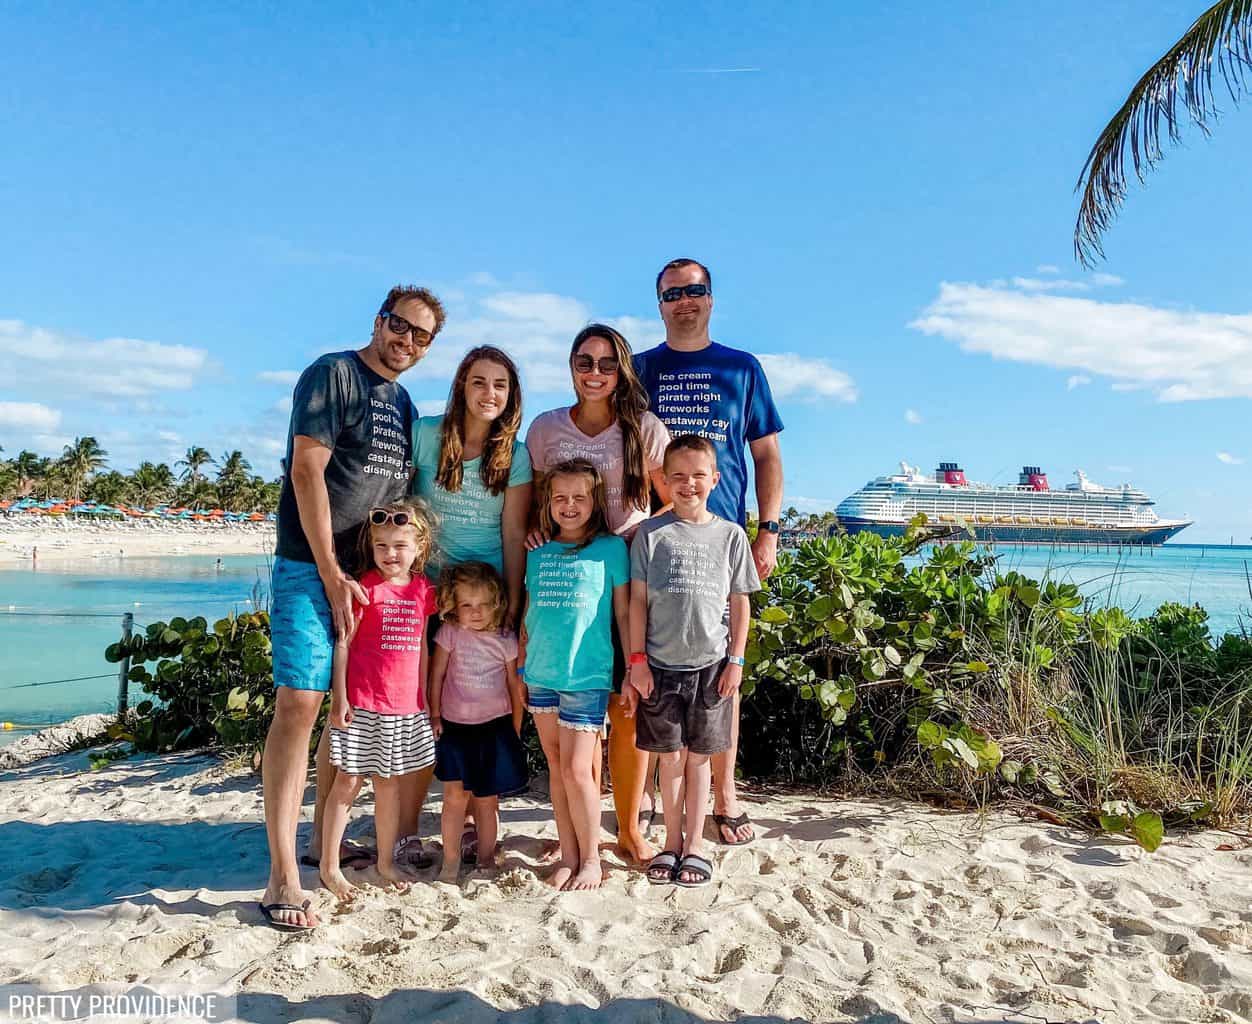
(474, 472)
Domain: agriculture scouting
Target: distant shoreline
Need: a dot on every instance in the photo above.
(59, 541)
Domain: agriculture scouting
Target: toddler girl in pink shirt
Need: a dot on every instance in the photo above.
(476, 702)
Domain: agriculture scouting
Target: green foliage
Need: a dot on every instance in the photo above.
(207, 685)
(873, 659)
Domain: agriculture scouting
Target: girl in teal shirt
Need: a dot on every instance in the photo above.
(474, 472)
(577, 586)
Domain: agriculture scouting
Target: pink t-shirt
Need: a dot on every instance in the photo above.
(476, 685)
(553, 437)
(384, 661)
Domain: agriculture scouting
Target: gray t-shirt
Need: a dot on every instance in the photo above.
(691, 570)
(366, 421)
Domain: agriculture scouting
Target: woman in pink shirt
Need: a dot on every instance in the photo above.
(611, 427)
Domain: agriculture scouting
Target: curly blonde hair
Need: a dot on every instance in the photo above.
(420, 520)
(471, 574)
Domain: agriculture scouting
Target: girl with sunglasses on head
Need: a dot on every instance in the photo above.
(379, 726)
(610, 426)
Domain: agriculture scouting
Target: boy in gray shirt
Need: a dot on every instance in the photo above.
(686, 664)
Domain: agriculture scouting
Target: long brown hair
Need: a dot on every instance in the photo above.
(497, 458)
(630, 402)
(599, 521)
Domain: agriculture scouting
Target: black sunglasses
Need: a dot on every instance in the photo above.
(586, 364)
(380, 516)
(692, 291)
(399, 325)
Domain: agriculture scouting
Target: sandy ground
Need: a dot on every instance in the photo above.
(148, 871)
(63, 541)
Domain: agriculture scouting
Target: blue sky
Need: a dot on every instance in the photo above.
(196, 203)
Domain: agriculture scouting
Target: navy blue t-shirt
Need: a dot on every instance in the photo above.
(720, 393)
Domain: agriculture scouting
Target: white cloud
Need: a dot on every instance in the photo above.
(283, 405)
(1076, 381)
(168, 436)
(912, 416)
(431, 406)
(1230, 460)
(1035, 284)
(29, 416)
(795, 376)
(1182, 356)
(808, 505)
(287, 378)
(44, 359)
(483, 279)
(1047, 268)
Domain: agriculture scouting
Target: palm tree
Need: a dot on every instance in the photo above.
(233, 482)
(1221, 38)
(109, 488)
(192, 462)
(79, 461)
(29, 468)
(151, 484)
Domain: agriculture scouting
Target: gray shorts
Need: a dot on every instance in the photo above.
(685, 710)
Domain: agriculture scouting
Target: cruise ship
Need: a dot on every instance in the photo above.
(1029, 512)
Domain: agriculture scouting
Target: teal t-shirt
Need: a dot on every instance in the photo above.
(470, 519)
(569, 613)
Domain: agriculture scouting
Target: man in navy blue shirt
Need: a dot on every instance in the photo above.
(696, 386)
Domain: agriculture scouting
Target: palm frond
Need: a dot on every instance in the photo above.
(1221, 40)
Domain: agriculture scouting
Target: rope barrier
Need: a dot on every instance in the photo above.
(53, 682)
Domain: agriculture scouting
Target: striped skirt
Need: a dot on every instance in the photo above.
(383, 745)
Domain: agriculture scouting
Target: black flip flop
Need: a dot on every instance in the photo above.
(469, 846)
(696, 865)
(725, 821)
(267, 909)
(666, 861)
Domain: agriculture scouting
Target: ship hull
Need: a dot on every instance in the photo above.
(1003, 533)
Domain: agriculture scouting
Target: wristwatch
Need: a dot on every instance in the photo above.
(735, 659)
(769, 526)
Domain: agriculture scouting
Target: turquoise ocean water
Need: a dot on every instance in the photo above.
(55, 622)
(43, 637)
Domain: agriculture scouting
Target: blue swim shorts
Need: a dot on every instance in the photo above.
(302, 630)
(575, 709)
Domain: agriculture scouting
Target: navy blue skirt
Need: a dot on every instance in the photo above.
(486, 759)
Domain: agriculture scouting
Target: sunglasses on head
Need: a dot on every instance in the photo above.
(586, 364)
(380, 517)
(692, 291)
(398, 325)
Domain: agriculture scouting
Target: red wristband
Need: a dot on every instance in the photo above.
(638, 658)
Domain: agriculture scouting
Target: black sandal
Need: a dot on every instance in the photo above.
(725, 821)
(666, 861)
(696, 865)
(267, 909)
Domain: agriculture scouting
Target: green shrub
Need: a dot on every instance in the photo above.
(206, 685)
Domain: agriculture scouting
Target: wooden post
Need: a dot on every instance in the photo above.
(123, 671)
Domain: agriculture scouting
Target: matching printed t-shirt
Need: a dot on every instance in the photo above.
(691, 570)
(385, 657)
(365, 420)
(476, 683)
(554, 437)
(469, 527)
(719, 393)
(368, 424)
(569, 613)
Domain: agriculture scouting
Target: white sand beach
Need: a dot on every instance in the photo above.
(60, 540)
(148, 871)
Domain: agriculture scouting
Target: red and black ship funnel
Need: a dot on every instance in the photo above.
(951, 473)
(1034, 478)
